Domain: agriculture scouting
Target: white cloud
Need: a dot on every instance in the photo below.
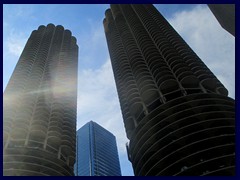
(15, 34)
(98, 101)
(15, 43)
(97, 94)
(214, 45)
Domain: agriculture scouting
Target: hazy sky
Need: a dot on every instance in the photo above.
(97, 96)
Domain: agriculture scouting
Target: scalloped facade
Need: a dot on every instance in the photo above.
(40, 103)
(176, 112)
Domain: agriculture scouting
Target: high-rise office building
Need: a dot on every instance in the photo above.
(40, 100)
(96, 153)
(177, 114)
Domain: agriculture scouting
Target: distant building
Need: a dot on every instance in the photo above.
(97, 153)
(39, 106)
(225, 14)
(177, 114)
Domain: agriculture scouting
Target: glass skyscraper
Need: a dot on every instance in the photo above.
(97, 153)
(177, 114)
(39, 106)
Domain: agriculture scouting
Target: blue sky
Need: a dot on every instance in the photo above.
(97, 96)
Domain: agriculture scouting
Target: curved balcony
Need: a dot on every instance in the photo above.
(190, 81)
(37, 133)
(180, 133)
(183, 163)
(33, 161)
(216, 141)
(168, 86)
(150, 94)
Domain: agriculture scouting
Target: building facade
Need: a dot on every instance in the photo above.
(39, 106)
(97, 153)
(177, 114)
(225, 15)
